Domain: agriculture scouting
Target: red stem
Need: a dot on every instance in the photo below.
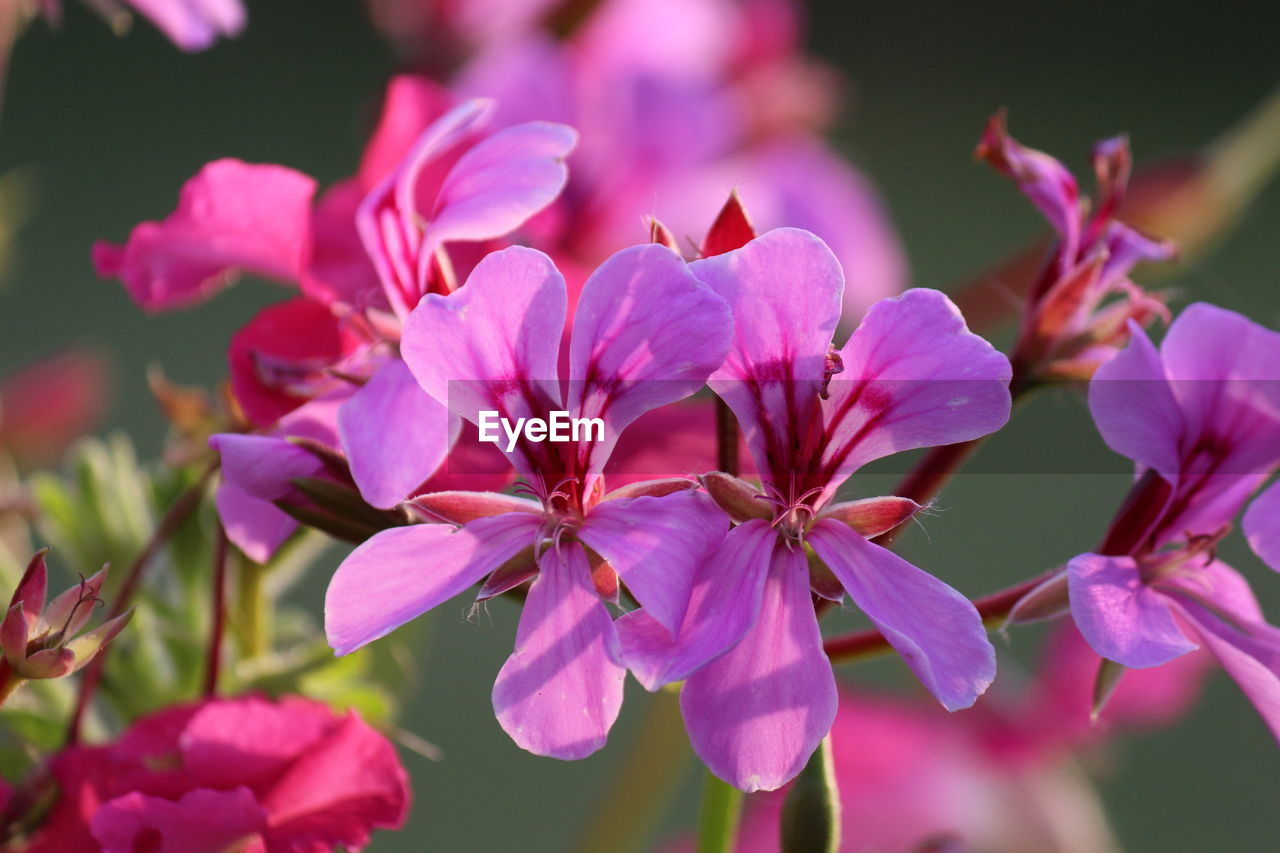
(186, 504)
(218, 618)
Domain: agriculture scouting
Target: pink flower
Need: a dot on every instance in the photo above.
(645, 333)
(679, 102)
(458, 185)
(1070, 328)
(759, 693)
(50, 403)
(1201, 418)
(282, 776)
(231, 217)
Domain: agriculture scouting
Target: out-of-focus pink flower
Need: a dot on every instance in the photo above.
(1071, 325)
(192, 25)
(669, 97)
(231, 217)
(759, 693)
(908, 774)
(246, 773)
(645, 333)
(49, 404)
(1201, 418)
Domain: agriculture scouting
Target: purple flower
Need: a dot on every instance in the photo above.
(1201, 418)
(759, 693)
(1073, 321)
(645, 333)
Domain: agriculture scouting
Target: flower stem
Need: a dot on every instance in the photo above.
(251, 610)
(182, 508)
(10, 681)
(218, 616)
(811, 812)
(718, 816)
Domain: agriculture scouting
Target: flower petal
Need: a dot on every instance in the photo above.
(1247, 647)
(202, 821)
(1040, 177)
(936, 629)
(411, 104)
(501, 182)
(231, 217)
(914, 376)
(656, 545)
(561, 689)
(722, 607)
(278, 360)
(1122, 618)
(1134, 408)
(255, 526)
(341, 788)
(263, 465)
(1262, 526)
(784, 291)
(757, 713)
(390, 218)
(645, 333)
(193, 25)
(403, 572)
(393, 434)
(492, 344)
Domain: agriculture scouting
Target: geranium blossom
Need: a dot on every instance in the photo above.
(248, 773)
(1070, 325)
(1201, 418)
(645, 333)
(759, 693)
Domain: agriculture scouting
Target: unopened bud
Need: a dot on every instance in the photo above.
(741, 500)
(871, 517)
(1048, 600)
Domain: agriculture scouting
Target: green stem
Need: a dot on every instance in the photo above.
(811, 812)
(251, 610)
(718, 816)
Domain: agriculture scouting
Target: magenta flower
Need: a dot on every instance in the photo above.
(231, 216)
(244, 773)
(1201, 418)
(645, 333)
(759, 693)
(1073, 321)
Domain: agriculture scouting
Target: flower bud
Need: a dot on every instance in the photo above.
(871, 517)
(741, 500)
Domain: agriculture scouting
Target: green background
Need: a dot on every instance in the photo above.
(109, 128)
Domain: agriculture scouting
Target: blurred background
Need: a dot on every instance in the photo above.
(102, 132)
